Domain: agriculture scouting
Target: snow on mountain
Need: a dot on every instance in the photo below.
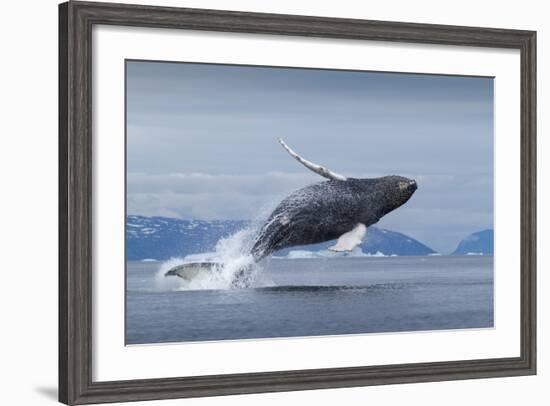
(161, 238)
(480, 243)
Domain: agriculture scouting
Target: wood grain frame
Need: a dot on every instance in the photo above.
(76, 20)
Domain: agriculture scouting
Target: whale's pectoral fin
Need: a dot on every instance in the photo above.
(348, 241)
(318, 169)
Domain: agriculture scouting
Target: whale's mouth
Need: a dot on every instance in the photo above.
(409, 185)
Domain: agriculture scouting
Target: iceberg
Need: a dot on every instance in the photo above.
(305, 254)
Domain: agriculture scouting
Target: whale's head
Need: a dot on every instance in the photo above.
(382, 195)
(406, 188)
(396, 191)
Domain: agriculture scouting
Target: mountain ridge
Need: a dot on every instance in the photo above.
(161, 238)
(478, 243)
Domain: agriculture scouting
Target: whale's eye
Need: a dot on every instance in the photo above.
(403, 185)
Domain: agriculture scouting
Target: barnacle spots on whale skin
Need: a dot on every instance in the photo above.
(284, 220)
(406, 185)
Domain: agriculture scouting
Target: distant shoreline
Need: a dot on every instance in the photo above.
(366, 257)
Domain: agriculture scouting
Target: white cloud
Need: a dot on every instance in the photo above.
(202, 141)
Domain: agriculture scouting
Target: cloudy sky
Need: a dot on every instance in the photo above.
(202, 141)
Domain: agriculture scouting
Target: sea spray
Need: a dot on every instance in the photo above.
(233, 266)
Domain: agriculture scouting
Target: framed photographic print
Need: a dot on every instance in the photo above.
(257, 202)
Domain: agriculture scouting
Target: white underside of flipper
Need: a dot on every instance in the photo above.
(348, 241)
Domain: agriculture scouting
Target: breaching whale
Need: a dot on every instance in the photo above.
(340, 208)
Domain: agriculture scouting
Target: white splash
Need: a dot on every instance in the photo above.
(231, 256)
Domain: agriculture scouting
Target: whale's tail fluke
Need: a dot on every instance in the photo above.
(192, 270)
(318, 169)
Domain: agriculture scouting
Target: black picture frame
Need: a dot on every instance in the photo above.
(76, 20)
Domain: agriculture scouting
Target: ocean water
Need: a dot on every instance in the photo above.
(312, 297)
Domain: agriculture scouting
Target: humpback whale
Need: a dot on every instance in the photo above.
(339, 208)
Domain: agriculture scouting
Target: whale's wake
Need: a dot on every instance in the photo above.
(230, 266)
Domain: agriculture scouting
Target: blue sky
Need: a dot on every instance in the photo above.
(202, 141)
